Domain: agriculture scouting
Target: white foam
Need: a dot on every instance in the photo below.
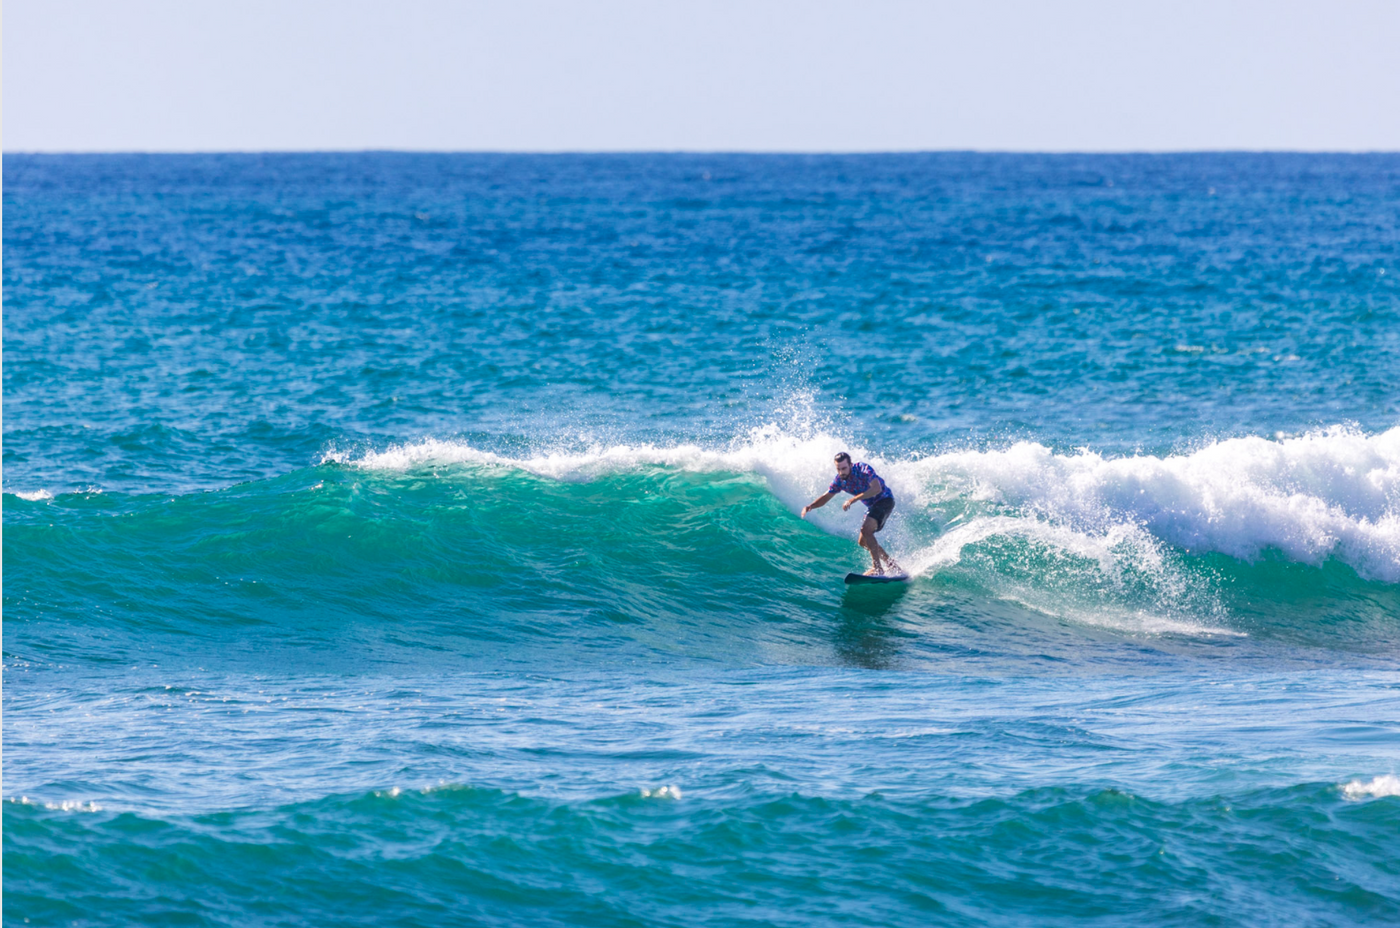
(66, 805)
(1325, 494)
(661, 792)
(796, 466)
(1387, 785)
(1101, 548)
(1124, 550)
(35, 496)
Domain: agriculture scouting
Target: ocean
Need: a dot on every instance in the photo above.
(414, 540)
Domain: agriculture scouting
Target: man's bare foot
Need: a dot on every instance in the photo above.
(875, 572)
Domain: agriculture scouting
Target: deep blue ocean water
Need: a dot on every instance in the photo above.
(413, 540)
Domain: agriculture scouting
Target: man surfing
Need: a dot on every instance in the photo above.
(861, 481)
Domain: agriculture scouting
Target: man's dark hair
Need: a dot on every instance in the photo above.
(843, 456)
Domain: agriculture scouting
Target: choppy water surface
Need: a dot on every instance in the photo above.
(413, 539)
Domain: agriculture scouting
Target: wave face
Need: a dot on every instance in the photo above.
(414, 539)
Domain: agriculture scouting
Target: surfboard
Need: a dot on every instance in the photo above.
(864, 578)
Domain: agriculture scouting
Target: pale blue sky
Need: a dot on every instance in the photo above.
(543, 75)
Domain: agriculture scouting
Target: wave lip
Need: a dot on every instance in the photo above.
(767, 450)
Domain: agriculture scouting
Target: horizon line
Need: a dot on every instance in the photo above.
(700, 151)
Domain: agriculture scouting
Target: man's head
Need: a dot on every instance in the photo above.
(843, 464)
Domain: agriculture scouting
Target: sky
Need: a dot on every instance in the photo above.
(669, 75)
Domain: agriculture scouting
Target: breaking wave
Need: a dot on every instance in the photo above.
(1332, 494)
(687, 550)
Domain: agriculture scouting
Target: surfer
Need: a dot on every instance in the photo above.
(861, 481)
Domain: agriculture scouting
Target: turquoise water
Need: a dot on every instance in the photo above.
(413, 540)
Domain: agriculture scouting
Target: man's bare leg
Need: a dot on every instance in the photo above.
(868, 542)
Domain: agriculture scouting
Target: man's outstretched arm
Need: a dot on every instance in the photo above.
(872, 491)
(817, 503)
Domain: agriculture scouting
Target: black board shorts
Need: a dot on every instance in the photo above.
(880, 511)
